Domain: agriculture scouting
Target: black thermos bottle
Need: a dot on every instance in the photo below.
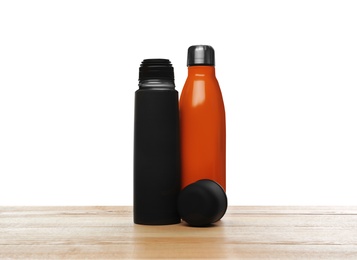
(156, 145)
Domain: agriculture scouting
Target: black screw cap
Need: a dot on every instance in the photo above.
(202, 203)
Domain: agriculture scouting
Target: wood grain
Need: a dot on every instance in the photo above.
(244, 233)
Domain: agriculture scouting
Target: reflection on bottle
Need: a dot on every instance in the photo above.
(199, 93)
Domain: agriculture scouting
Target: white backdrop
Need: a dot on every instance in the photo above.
(69, 70)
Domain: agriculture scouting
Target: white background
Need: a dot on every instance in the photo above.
(69, 70)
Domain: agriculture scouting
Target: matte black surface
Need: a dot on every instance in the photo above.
(157, 177)
(202, 203)
(200, 55)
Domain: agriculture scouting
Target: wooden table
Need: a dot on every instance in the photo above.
(243, 233)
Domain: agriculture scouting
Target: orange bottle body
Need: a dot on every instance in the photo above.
(203, 128)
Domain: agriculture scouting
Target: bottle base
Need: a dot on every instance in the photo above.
(157, 223)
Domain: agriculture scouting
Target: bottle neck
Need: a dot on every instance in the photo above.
(201, 71)
(156, 84)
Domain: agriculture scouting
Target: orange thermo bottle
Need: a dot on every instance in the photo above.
(202, 120)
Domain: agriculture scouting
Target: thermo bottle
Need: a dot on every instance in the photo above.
(157, 179)
(202, 120)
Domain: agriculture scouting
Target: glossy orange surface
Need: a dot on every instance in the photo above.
(203, 128)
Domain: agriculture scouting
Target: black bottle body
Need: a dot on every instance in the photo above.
(156, 154)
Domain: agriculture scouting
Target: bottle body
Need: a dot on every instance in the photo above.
(156, 153)
(203, 128)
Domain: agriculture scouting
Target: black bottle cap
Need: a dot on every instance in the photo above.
(156, 69)
(202, 203)
(200, 55)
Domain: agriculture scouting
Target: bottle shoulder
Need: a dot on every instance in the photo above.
(200, 93)
(148, 91)
(156, 84)
(201, 82)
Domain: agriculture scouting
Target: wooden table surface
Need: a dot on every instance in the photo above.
(243, 233)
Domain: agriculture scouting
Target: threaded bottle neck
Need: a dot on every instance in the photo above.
(156, 69)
